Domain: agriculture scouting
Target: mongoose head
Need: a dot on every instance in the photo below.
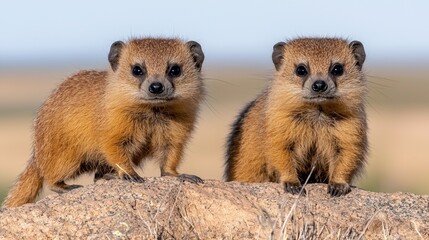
(157, 71)
(320, 70)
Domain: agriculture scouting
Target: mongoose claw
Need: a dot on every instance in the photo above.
(338, 189)
(294, 188)
(133, 178)
(190, 178)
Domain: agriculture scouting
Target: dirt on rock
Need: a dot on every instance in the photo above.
(166, 208)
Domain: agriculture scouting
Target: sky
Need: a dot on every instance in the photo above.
(49, 31)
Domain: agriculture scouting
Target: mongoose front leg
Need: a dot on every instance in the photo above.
(118, 159)
(351, 150)
(340, 178)
(282, 162)
(342, 171)
(171, 161)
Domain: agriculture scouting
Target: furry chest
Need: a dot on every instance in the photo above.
(315, 153)
(313, 144)
(150, 136)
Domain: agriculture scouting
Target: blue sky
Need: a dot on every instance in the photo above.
(235, 30)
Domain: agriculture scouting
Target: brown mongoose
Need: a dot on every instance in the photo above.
(312, 114)
(144, 106)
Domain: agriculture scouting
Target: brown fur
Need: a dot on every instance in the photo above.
(107, 121)
(282, 134)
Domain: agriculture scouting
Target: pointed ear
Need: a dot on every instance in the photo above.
(359, 53)
(197, 53)
(278, 54)
(115, 53)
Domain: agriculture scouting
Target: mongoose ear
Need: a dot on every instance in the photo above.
(115, 53)
(278, 54)
(359, 53)
(197, 53)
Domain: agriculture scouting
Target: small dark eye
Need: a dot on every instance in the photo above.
(337, 70)
(174, 71)
(301, 71)
(138, 71)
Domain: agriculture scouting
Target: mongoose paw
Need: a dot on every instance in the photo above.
(107, 176)
(338, 189)
(190, 178)
(133, 178)
(294, 188)
(63, 188)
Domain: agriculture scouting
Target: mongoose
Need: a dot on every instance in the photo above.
(144, 106)
(312, 114)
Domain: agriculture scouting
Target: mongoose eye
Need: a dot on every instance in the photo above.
(301, 71)
(174, 71)
(138, 71)
(337, 70)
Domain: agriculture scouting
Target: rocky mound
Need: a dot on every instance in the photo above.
(166, 208)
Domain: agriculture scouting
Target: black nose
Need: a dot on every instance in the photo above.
(156, 88)
(319, 86)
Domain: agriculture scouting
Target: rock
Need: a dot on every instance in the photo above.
(166, 208)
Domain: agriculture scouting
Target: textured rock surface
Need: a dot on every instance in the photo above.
(166, 208)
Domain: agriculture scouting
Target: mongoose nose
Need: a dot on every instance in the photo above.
(319, 86)
(156, 88)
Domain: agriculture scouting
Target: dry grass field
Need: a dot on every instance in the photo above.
(398, 120)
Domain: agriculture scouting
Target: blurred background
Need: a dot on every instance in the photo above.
(44, 42)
